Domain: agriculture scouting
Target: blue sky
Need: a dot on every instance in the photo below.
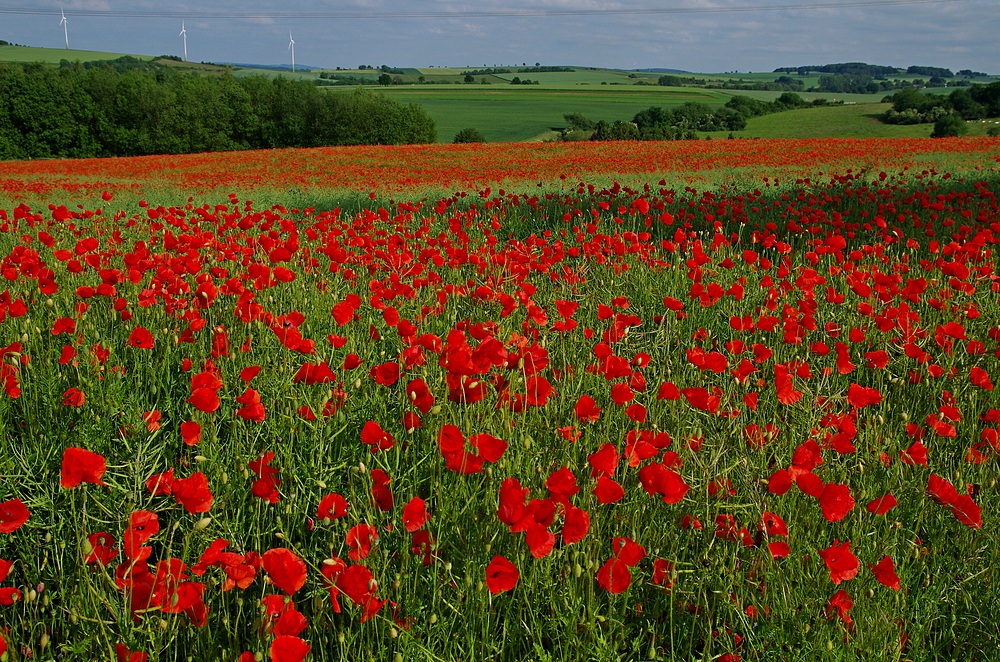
(693, 35)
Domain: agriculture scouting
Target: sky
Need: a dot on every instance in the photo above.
(707, 36)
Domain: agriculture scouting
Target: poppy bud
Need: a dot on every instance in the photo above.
(202, 524)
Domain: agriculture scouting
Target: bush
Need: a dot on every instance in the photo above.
(469, 135)
(949, 125)
(993, 132)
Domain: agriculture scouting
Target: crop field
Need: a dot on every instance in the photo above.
(701, 400)
(515, 113)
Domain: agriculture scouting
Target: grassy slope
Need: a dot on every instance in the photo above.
(510, 112)
(56, 55)
(848, 121)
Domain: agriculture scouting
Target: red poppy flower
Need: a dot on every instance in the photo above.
(539, 539)
(779, 482)
(862, 396)
(73, 397)
(288, 648)
(488, 447)
(377, 438)
(286, 570)
(779, 549)
(161, 484)
(562, 483)
(143, 525)
(501, 575)
(385, 374)
(885, 573)
(13, 514)
(576, 524)
(332, 506)
(193, 493)
(608, 490)
(840, 604)
(102, 549)
(140, 338)
(773, 525)
(190, 433)
(628, 551)
(204, 399)
(357, 583)
(840, 561)
(252, 409)
(360, 539)
(123, 654)
(420, 395)
(881, 505)
(967, 511)
(916, 453)
(267, 484)
(614, 576)
(587, 410)
(836, 501)
(81, 466)
(415, 514)
(604, 461)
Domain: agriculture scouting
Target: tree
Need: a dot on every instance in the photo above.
(385, 80)
(469, 78)
(949, 125)
(469, 135)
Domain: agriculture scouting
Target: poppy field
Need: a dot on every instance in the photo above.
(726, 400)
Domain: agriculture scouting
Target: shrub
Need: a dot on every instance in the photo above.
(469, 135)
(949, 125)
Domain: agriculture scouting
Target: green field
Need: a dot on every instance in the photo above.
(511, 112)
(847, 121)
(56, 55)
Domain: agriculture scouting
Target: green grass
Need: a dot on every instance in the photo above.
(847, 121)
(512, 112)
(56, 55)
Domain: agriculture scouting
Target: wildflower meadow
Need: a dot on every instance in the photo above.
(707, 400)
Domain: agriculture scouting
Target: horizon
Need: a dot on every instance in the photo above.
(703, 36)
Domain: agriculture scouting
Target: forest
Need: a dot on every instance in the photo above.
(114, 109)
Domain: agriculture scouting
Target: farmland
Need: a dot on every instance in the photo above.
(726, 399)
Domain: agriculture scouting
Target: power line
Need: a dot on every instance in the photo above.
(487, 13)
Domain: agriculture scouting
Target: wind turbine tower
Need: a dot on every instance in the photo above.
(184, 34)
(65, 25)
(291, 47)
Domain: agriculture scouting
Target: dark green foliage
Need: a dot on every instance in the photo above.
(930, 71)
(131, 108)
(847, 68)
(469, 135)
(949, 125)
(848, 84)
(969, 103)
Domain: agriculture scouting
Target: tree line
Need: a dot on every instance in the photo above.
(967, 103)
(75, 111)
(682, 122)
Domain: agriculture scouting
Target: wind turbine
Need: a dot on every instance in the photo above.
(185, 35)
(65, 25)
(291, 47)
